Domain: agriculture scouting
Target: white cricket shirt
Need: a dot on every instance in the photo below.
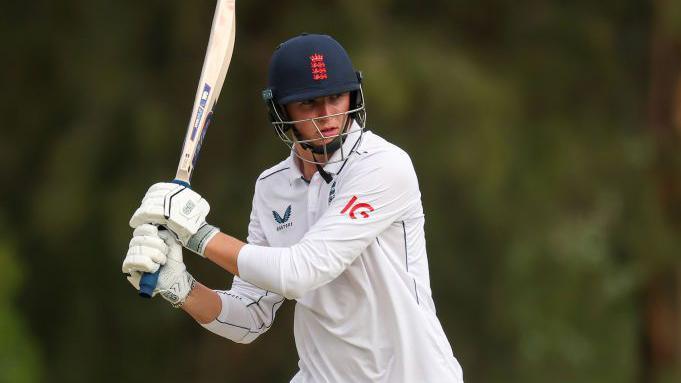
(352, 253)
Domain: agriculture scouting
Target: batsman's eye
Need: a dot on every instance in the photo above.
(339, 96)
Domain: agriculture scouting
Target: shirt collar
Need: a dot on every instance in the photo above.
(293, 170)
(352, 142)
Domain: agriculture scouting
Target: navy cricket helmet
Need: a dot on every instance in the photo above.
(306, 67)
(310, 66)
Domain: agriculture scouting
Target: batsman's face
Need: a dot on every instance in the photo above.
(320, 119)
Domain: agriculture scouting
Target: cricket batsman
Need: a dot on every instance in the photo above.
(337, 226)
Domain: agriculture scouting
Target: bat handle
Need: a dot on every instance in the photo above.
(148, 283)
(149, 280)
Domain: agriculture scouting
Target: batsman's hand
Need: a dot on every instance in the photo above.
(179, 208)
(146, 252)
(150, 249)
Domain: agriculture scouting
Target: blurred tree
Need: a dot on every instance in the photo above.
(20, 361)
(550, 210)
(662, 305)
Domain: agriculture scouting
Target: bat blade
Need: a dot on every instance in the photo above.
(215, 65)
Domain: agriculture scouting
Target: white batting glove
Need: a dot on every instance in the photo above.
(179, 208)
(174, 282)
(147, 252)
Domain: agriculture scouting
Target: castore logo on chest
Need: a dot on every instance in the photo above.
(283, 221)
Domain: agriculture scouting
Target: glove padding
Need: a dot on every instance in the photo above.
(177, 207)
(174, 282)
(147, 252)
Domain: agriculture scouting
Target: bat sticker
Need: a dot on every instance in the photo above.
(209, 118)
(202, 106)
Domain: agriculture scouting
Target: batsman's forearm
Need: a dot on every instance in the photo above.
(202, 304)
(223, 250)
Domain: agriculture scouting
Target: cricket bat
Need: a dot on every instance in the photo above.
(215, 64)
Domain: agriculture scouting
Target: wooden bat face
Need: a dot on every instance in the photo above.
(215, 65)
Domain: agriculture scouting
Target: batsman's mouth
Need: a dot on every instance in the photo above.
(330, 132)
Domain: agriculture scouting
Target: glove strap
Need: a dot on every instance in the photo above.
(197, 242)
(177, 294)
(191, 287)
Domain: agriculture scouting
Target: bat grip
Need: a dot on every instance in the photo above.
(149, 280)
(148, 283)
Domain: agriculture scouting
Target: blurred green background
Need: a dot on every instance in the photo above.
(545, 135)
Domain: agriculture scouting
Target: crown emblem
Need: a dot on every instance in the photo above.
(318, 67)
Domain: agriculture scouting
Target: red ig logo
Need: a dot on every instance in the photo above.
(362, 207)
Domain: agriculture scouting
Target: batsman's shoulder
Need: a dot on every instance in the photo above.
(275, 172)
(380, 153)
(380, 161)
(376, 145)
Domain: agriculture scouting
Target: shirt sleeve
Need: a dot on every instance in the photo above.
(367, 202)
(247, 310)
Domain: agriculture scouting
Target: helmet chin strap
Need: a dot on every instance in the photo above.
(325, 175)
(327, 149)
(331, 147)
